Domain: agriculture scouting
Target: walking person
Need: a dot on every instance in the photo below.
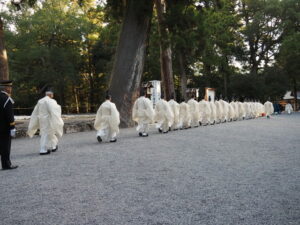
(107, 121)
(46, 117)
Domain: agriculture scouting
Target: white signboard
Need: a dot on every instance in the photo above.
(155, 91)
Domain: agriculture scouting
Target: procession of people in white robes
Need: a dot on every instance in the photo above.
(168, 116)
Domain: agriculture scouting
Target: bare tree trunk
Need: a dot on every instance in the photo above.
(130, 56)
(76, 99)
(183, 77)
(295, 94)
(4, 75)
(165, 52)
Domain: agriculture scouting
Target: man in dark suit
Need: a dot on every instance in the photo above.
(7, 124)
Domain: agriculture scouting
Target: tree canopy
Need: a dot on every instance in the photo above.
(243, 48)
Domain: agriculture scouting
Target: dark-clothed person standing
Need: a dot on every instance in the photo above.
(7, 124)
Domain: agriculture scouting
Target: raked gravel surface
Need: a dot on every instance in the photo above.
(245, 172)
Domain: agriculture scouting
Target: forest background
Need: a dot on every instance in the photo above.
(246, 49)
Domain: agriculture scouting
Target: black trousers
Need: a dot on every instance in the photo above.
(5, 145)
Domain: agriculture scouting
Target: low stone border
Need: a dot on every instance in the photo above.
(73, 124)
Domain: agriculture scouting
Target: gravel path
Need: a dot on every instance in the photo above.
(245, 172)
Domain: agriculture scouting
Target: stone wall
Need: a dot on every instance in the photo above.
(73, 124)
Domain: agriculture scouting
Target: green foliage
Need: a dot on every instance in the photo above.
(243, 48)
(60, 45)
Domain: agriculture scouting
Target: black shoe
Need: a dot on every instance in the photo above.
(145, 135)
(99, 139)
(45, 153)
(54, 150)
(165, 132)
(159, 130)
(113, 140)
(11, 167)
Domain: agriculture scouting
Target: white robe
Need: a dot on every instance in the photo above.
(213, 115)
(184, 116)
(143, 114)
(246, 109)
(231, 112)
(205, 112)
(219, 111)
(175, 109)
(107, 120)
(194, 112)
(269, 109)
(234, 106)
(163, 115)
(260, 109)
(242, 113)
(225, 106)
(46, 116)
(288, 108)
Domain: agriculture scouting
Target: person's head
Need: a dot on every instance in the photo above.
(6, 85)
(108, 96)
(142, 92)
(172, 96)
(49, 92)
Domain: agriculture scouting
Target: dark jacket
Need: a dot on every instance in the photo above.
(7, 120)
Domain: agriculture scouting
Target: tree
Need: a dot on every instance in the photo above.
(130, 56)
(165, 50)
(4, 75)
(262, 31)
(4, 72)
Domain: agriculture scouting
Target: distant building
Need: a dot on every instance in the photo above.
(192, 91)
(289, 97)
(210, 94)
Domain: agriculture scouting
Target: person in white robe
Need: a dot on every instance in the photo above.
(107, 121)
(219, 112)
(164, 116)
(246, 109)
(261, 109)
(194, 112)
(175, 109)
(46, 117)
(184, 116)
(205, 112)
(143, 114)
(224, 116)
(213, 115)
(231, 112)
(269, 109)
(242, 113)
(288, 108)
(234, 106)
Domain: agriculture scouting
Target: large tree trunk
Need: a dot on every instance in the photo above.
(165, 52)
(129, 60)
(4, 75)
(183, 77)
